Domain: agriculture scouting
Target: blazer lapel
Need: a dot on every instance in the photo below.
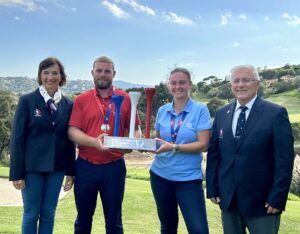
(253, 117)
(43, 108)
(229, 112)
(60, 111)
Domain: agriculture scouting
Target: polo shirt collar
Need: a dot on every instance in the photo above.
(187, 107)
(110, 92)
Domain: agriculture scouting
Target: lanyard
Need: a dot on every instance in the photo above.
(106, 116)
(174, 132)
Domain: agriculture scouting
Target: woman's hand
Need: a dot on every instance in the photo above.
(164, 146)
(68, 183)
(19, 184)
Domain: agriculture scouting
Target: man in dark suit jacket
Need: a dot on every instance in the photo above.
(249, 166)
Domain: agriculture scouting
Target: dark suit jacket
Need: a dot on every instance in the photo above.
(36, 144)
(259, 167)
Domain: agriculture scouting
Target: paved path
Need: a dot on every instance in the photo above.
(9, 196)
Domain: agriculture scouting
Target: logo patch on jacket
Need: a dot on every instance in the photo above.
(221, 133)
(37, 113)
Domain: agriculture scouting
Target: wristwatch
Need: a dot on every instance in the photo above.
(175, 148)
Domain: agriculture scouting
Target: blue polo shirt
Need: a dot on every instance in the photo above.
(179, 166)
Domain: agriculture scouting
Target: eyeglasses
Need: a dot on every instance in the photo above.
(243, 81)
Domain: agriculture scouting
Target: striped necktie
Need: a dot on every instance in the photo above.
(241, 122)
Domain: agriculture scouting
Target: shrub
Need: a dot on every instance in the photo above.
(296, 131)
(295, 185)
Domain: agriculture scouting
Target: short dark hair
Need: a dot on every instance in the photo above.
(104, 59)
(183, 70)
(48, 62)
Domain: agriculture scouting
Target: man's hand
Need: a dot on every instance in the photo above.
(19, 184)
(215, 200)
(271, 210)
(68, 183)
(99, 143)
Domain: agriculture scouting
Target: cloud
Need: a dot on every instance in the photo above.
(28, 5)
(60, 6)
(244, 17)
(266, 18)
(236, 44)
(138, 7)
(17, 18)
(115, 10)
(291, 19)
(225, 18)
(173, 18)
(160, 60)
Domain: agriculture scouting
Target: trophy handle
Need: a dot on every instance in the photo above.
(149, 95)
(118, 102)
(134, 98)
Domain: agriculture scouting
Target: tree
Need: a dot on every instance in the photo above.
(268, 74)
(214, 104)
(200, 85)
(161, 97)
(7, 107)
(225, 92)
(214, 92)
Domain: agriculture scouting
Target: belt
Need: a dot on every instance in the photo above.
(96, 162)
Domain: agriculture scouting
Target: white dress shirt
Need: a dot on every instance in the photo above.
(237, 112)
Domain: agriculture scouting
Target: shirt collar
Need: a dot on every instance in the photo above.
(187, 107)
(110, 92)
(248, 104)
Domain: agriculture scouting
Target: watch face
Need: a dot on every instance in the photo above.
(175, 148)
(105, 127)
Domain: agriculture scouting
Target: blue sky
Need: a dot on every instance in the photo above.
(147, 38)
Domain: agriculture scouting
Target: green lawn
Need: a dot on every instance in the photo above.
(139, 212)
(290, 100)
(4, 171)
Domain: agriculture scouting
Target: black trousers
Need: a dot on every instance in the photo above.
(109, 181)
(235, 223)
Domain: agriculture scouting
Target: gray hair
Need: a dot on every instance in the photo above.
(249, 67)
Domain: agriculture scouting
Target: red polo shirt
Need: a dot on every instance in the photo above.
(88, 114)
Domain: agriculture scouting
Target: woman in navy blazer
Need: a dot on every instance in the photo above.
(41, 153)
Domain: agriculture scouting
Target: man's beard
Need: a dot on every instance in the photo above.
(103, 84)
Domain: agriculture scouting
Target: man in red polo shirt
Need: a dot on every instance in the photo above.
(99, 169)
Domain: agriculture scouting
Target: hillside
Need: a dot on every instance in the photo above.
(20, 85)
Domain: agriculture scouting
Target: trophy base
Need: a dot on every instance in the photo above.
(130, 143)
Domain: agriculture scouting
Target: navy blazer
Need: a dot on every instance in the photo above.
(39, 140)
(259, 167)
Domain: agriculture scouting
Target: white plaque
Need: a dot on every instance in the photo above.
(130, 143)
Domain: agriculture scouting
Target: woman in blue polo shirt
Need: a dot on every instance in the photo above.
(183, 127)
